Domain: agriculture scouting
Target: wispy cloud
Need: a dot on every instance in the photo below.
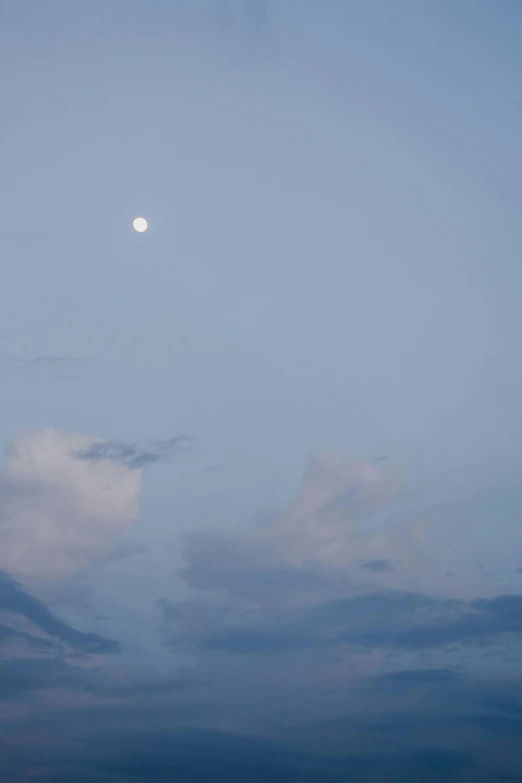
(40, 367)
(403, 621)
(378, 565)
(131, 455)
(14, 600)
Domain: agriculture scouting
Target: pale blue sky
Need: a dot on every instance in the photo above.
(334, 242)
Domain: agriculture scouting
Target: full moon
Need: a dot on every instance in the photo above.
(140, 225)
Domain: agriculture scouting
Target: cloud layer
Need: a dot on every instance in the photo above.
(324, 643)
(343, 586)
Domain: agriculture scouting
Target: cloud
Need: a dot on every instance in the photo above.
(342, 587)
(416, 677)
(202, 756)
(59, 514)
(309, 554)
(39, 367)
(41, 652)
(393, 620)
(129, 454)
(317, 536)
(342, 534)
(21, 678)
(290, 622)
(14, 600)
(378, 565)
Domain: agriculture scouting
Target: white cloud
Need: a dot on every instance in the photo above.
(58, 513)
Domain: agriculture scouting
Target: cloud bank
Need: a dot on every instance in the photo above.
(324, 643)
(343, 586)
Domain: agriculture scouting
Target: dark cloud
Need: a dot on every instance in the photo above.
(53, 657)
(254, 582)
(16, 601)
(131, 455)
(378, 565)
(444, 738)
(19, 676)
(327, 616)
(387, 619)
(205, 756)
(9, 634)
(503, 703)
(415, 677)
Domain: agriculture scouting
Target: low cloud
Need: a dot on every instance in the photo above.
(66, 499)
(342, 586)
(390, 620)
(315, 538)
(39, 652)
(378, 565)
(58, 514)
(16, 602)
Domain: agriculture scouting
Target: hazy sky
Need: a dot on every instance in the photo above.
(332, 268)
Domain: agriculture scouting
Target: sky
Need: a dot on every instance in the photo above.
(259, 494)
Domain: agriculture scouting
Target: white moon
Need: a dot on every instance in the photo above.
(140, 225)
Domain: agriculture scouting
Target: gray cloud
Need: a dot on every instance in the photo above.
(40, 368)
(309, 546)
(378, 565)
(131, 455)
(20, 677)
(416, 677)
(380, 620)
(331, 596)
(43, 360)
(16, 601)
(51, 656)
(7, 633)
(315, 577)
(40, 653)
(204, 756)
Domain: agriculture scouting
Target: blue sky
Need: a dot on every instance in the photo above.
(332, 268)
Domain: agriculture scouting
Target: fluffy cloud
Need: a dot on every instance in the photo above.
(59, 513)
